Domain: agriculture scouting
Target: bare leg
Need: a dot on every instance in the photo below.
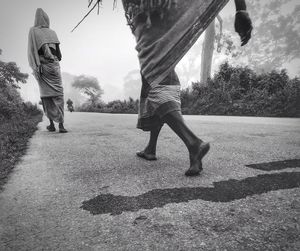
(150, 151)
(196, 147)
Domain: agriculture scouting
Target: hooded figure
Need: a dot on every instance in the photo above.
(44, 56)
(39, 35)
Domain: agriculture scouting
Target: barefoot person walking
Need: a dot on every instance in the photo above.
(44, 56)
(164, 32)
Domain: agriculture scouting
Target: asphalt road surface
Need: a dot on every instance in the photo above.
(86, 190)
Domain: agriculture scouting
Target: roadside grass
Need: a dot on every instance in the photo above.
(14, 136)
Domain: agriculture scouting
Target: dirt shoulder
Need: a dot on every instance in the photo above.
(14, 136)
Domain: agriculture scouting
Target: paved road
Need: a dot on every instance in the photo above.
(86, 190)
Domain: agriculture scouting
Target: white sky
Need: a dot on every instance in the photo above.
(102, 46)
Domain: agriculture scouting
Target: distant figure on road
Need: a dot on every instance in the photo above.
(44, 56)
(164, 31)
(70, 105)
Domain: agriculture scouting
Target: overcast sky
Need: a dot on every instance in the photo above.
(102, 46)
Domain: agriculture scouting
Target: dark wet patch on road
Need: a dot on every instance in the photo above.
(223, 191)
(276, 165)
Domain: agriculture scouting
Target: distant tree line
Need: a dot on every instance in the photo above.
(129, 106)
(241, 91)
(237, 91)
(90, 87)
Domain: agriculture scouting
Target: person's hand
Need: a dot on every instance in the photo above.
(243, 26)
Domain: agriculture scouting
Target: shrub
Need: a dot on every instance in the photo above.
(241, 91)
(117, 106)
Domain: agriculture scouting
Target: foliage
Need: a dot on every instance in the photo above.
(10, 74)
(89, 86)
(117, 106)
(241, 91)
(275, 40)
(11, 103)
(18, 119)
(276, 36)
(232, 91)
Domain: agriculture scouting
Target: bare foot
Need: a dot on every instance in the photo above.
(146, 155)
(196, 159)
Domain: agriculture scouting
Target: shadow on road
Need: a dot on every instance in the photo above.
(223, 191)
(277, 165)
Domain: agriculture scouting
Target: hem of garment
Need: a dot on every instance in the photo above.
(52, 96)
(156, 120)
(55, 119)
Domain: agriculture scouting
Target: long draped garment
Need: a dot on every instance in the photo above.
(165, 30)
(45, 66)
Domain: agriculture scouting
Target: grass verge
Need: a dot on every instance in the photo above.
(14, 137)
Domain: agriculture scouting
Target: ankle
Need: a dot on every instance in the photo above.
(150, 150)
(194, 146)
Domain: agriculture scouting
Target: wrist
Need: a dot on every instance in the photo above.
(240, 5)
(241, 11)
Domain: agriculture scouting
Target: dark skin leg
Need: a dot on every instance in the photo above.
(151, 147)
(176, 123)
(196, 147)
(150, 151)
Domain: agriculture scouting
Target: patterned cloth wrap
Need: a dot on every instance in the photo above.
(165, 30)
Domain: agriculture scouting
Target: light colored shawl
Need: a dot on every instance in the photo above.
(162, 43)
(39, 35)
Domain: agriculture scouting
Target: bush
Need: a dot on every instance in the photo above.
(117, 106)
(31, 109)
(12, 106)
(241, 91)
(18, 120)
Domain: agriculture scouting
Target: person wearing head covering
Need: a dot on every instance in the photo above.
(165, 30)
(44, 56)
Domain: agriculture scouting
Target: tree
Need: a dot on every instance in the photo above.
(10, 74)
(276, 37)
(89, 86)
(11, 103)
(208, 49)
(207, 52)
